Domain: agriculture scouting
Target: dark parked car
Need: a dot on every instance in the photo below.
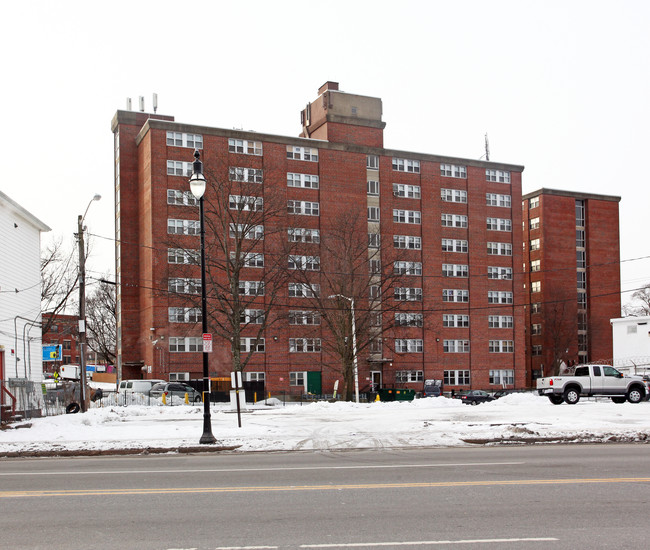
(432, 388)
(174, 392)
(474, 397)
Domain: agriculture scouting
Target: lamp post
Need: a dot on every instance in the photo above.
(82, 304)
(354, 344)
(197, 186)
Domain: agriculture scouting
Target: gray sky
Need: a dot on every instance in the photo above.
(561, 87)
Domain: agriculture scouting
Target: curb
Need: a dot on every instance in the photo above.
(117, 452)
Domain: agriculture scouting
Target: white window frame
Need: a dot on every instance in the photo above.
(304, 317)
(501, 346)
(373, 214)
(245, 203)
(406, 165)
(409, 345)
(499, 249)
(500, 321)
(304, 181)
(303, 208)
(304, 345)
(501, 273)
(303, 290)
(245, 147)
(181, 198)
(455, 346)
(409, 376)
(306, 263)
(501, 201)
(453, 195)
(453, 220)
(407, 216)
(303, 235)
(179, 285)
(298, 379)
(183, 227)
(407, 268)
(455, 245)
(407, 242)
(456, 377)
(501, 176)
(182, 256)
(185, 344)
(453, 171)
(251, 288)
(500, 297)
(455, 295)
(499, 224)
(179, 168)
(251, 317)
(252, 345)
(249, 259)
(455, 270)
(455, 321)
(246, 231)
(406, 191)
(501, 377)
(302, 153)
(246, 175)
(184, 314)
(181, 139)
(372, 162)
(372, 188)
(408, 294)
(408, 319)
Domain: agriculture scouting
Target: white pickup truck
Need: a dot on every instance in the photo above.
(593, 380)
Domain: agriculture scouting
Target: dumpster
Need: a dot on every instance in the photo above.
(396, 394)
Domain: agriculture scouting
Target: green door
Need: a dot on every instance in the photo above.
(314, 383)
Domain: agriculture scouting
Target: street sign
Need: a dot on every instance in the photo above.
(207, 342)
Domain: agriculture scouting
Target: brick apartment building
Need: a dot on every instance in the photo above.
(63, 331)
(456, 222)
(572, 272)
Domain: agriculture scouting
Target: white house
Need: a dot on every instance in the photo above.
(21, 365)
(631, 337)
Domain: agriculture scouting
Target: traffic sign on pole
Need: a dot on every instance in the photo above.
(207, 342)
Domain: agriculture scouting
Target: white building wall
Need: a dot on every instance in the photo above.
(20, 301)
(631, 339)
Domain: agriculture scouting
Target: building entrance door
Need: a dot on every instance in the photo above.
(375, 377)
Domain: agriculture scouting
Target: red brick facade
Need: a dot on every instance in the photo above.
(142, 214)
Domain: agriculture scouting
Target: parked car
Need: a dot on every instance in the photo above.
(474, 397)
(137, 386)
(174, 391)
(432, 388)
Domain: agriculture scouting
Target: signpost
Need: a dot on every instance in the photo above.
(207, 342)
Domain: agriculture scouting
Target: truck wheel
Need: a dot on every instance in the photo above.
(571, 396)
(556, 399)
(635, 395)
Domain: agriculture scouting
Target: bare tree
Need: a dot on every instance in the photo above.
(102, 321)
(58, 280)
(560, 317)
(640, 304)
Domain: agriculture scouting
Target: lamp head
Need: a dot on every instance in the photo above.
(197, 180)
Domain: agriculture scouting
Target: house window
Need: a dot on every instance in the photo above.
(404, 319)
(581, 259)
(408, 345)
(534, 244)
(375, 345)
(184, 314)
(406, 191)
(245, 203)
(245, 231)
(249, 175)
(407, 242)
(533, 223)
(454, 245)
(501, 346)
(305, 181)
(499, 224)
(373, 214)
(374, 240)
(304, 345)
(374, 267)
(499, 249)
(255, 376)
(453, 220)
(533, 203)
(178, 139)
(407, 268)
(302, 235)
(302, 153)
(373, 187)
(303, 208)
(453, 170)
(405, 376)
(406, 216)
(179, 168)
(536, 329)
(455, 270)
(580, 238)
(455, 321)
(372, 162)
(249, 345)
(536, 307)
(251, 288)
(494, 199)
(499, 297)
(181, 198)
(303, 290)
(184, 286)
(304, 317)
(408, 294)
(297, 379)
(499, 272)
(186, 344)
(406, 165)
(306, 263)
(502, 176)
(455, 346)
(536, 286)
(500, 321)
(537, 350)
(456, 377)
(182, 256)
(582, 299)
(248, 259)
(453, 195)
(582, 279)
(245, 147)
(580, 213)
(455, 295)
(535, 265)
(251, 317)
(502, 377)
(183, 227)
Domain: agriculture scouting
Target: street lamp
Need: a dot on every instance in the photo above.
(82, 304)
(197, 186)
(354, 344)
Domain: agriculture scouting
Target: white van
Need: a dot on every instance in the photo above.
(137, 386)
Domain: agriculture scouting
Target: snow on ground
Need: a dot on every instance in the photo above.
(427, 422)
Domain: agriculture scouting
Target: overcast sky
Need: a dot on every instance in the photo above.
(560, 87)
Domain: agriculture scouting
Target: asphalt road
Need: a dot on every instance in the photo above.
(546, 497)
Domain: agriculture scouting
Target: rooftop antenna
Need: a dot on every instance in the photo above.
(155, 103)
(128, 103)
(141, 104)
(487, 148)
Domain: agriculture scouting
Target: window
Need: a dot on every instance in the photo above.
(408, 294)
(533, 203)
(455, 270)
(183, 227)
(184, 314)
(409, 376)
(250, 175)
(536, 286)
(500, 321)
(373, 187)
(373, 214)
(582, 279)
(407, 191)
(536, 329)
(375, 346)
(374, 292)
(494, 199)
(306, 181)
(406, 165)
(582, 300)
(302, 153)
(255, 376)
(454, 245)
(534, 244)
(581, 258)
(302, 235)
(499, 224)
(502, 377)
(374, 240)
(404, 319)
(249, 345)
(307, 263)
(407, 268)
(178, 139)
(187, 344)
(455, 346)
(580, 238)
(499, 297)
(245, 147)
(499, 272)
(457, 321)
(580, 213)
(406, 216)
(502, 176)
(534, 265)
(179, 168)
(251, 317)
(407, 242)
(181, 198)
(245, 231)
(245, 203)
(453, 220)
(453, 170)
(297, 379)
(533, 223)
(67, 344)
(501, 346)
(408, 345)
(303, 290)
(182, 256)
(372, 162)
(304, 317)
(184, 286)
(374, 267)
(536, 307)
(455, 295)
(248, 259)
(537, 350)
(453, 195)
(251, 288)
(303, 208)
(304, 345)
(499, 249)
(456, 377)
